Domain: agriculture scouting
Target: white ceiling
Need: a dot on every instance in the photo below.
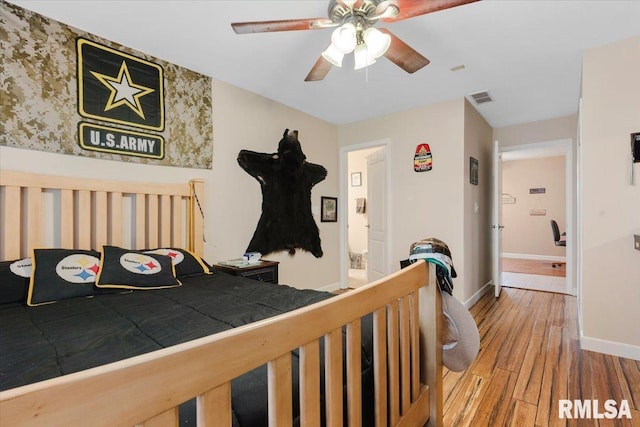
(527, 53)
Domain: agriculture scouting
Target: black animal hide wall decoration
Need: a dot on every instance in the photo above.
(286, 179)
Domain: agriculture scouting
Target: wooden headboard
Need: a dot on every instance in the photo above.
(39, 211)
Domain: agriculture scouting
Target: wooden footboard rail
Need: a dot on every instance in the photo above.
(146, 390)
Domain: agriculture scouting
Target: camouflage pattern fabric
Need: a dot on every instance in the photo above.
(39, 99)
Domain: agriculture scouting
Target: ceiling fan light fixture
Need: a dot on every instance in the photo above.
(362, 57)
(344, 38)
(333, 55)
(386, 9)
(350, 20)
(377, 42)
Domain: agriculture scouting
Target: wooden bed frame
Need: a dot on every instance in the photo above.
(40, 211)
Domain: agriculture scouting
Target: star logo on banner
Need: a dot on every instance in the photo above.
(123, 90)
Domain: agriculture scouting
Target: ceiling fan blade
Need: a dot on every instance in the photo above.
(411, 8)
(282, 25)
(319, 70)
(403, 55)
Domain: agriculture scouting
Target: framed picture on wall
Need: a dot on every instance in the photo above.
(356, 179)
(329, 209)
(473, 171)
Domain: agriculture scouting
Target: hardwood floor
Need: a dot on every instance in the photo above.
(532, 266)
(529, 359)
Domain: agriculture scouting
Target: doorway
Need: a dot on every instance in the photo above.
(363, 213)
(539, 208)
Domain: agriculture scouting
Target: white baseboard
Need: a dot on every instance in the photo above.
(330, 287)
(476, 297)
(534, 257)
(610, 347)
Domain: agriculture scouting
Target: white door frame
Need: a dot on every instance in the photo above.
(343, 163)
(563, 146)
(496, 218)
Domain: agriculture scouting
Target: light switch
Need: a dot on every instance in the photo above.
(636, 239)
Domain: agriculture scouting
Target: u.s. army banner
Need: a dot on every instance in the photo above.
(70, 92)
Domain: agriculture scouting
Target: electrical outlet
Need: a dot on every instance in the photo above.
(636, 239)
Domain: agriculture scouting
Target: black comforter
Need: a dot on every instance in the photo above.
(38, 343)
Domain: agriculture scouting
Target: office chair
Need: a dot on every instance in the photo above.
(557, 239)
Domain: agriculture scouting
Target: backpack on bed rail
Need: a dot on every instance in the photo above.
(436, 252)
(460, 337)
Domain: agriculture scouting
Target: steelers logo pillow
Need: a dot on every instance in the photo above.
(14, 281)
(59, 274)
(129, 269)
(185, 262)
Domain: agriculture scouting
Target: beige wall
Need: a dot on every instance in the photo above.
(524, 233)
(539, 131)
(233, 199)
(413, 202)
(244, 120)
(610, 205)
(430, 204)
(477, 237)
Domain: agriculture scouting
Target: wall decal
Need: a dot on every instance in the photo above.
(60, 91)
(508, 199)
(537, 212)
(286, 179)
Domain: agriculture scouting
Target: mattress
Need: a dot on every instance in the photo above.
(48, 341)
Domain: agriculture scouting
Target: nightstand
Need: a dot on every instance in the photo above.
(265, 271)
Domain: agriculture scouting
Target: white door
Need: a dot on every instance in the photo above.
(496, 220)
(377, 215)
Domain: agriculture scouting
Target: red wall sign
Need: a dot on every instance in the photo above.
(422, 160)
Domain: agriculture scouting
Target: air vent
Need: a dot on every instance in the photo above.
(481, 97)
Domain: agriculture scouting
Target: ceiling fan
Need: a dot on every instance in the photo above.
(354, 22)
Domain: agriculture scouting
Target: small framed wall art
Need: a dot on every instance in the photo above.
(473, 171)
(329, 209)
(356, 179)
